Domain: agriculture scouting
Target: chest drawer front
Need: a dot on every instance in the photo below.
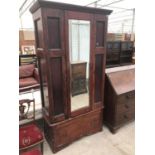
(79, 86)
(125, 107)
(124, 117)
(78, 70)
(128, 98)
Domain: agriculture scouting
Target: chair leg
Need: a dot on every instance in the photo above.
(42, 148)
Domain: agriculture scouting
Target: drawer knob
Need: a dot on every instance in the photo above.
(128, 96)
(125, 116)
(126, 106)
(97, 43)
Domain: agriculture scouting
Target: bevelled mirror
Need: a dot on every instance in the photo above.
(79, 51)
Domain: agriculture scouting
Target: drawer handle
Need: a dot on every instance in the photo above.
(97, 43)
(126, 106)
(128, 96)
(125, 116)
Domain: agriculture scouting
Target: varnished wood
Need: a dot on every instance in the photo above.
(119, 53)
(63, 133)
(64, 6)
(62, 126)
(119, 98)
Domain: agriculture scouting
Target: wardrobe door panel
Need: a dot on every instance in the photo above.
(57, 85)
(43, 82)
(100, 34)
(38, 33)
(54, 33)
(98, 77)
(100, 29)
(54, 21)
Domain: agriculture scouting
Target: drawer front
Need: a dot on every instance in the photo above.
(127, 98)
(124, 117)
(78, 70)
(78, 86)
(125, 107)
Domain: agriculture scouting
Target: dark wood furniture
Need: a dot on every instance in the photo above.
(127, 49)
(30, 136)
(119, 97)
(78, 70)
(51, 22)
(119, 53)
(113, 53)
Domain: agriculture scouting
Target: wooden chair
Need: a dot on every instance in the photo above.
(31, 138)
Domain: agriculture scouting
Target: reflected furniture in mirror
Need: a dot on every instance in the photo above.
(78, 77)
(119, 96)
(71, 52)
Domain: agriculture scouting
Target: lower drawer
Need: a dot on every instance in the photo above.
(124, 117)
(61, 134)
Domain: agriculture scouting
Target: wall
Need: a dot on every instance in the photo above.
(26, 37)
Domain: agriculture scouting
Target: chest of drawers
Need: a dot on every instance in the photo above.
(78, 71)
(119, 98)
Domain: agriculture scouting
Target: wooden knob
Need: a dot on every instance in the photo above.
(126, 106)
(125, 116)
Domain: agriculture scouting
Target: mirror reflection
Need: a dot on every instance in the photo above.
(79, 49)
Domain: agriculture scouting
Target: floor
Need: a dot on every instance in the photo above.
(79, 101)
(102, 143)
